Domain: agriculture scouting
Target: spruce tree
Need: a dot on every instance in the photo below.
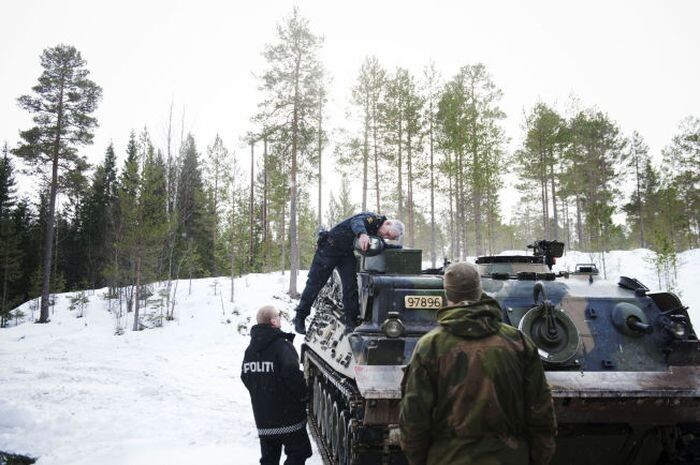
(128, 233)
(97, 220)
(62, 103)
(194, 224)
(10, 253)
(153, 204)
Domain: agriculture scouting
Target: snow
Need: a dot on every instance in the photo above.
(638, 264)
(73, 392)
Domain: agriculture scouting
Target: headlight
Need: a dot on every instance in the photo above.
(677, 330)
(393, 327)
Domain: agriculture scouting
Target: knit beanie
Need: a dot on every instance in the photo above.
(462, 282)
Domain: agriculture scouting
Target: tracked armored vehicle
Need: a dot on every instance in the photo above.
(623, 363)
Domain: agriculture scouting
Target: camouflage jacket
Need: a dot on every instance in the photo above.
(475, 393)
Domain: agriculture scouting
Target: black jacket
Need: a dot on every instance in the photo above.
(340, 238)
(270, 371)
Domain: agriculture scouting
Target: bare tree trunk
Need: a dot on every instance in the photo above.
(320, 160)
(409, 181)
(400, 165)
(554, 203)
(567, 222)
(251, 219)
(4, 297)
(215, 229)
(579, 223)
(452, 196)
(50, 214)
(265, 213)
(376, 156)
(545, 202)
(463, 210)
(137, 292)
(432, 199)
(233, 240)
(293, 245)
(477, 197)
(365, 158)
(283, 238)
(639, 201)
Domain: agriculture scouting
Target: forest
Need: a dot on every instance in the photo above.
(428, 149)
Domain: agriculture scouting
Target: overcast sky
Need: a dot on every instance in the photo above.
(637, 61)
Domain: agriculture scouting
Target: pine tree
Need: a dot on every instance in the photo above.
(367, 95)
(343, 207)
(393, 128)
(638, 159)
(682, 159)
(469, 116)
(291, 86)
(218, 162)
(537, 159)
(594, 157)
(62, 103)
(431, 95)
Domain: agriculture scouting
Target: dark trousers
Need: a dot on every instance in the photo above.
(325, 260)
(297, 448)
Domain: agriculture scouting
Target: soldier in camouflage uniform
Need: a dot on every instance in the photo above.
(475, 390)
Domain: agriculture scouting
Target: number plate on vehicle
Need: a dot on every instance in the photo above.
(422, 301)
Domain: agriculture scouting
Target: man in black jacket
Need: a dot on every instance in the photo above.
(270, 371)
(335, 250)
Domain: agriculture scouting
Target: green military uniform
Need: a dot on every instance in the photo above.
(475, 393)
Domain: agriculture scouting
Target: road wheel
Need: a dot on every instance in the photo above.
(334, 429)
(324, 415)
(328, 433)
(342, 438)
(317, 401)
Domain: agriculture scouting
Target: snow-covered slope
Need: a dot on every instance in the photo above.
(72, 392)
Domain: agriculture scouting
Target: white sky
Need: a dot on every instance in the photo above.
(637, 61)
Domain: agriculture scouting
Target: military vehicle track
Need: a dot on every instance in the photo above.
(333, 406)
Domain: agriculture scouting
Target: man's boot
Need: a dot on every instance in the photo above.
(299, 324)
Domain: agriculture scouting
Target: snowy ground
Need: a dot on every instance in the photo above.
(71, 392)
